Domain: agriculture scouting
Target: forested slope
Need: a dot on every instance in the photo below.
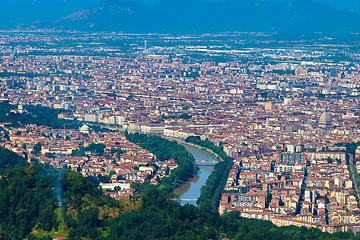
(9, 159)
(40, 202)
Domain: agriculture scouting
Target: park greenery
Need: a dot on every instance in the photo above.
(165, 150)
(6, 74)
(116, 151)
(181, 116)
(36, 149)
(96, 148)
(350, 146)
(213, 189)
(39, 115)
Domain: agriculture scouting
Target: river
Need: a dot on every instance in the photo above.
(189, 192)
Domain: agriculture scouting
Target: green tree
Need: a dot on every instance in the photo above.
(96, 148)
(165, 150)
(36, 149)
(9, 159)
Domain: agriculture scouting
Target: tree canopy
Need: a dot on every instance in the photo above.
(165, 150)
(9, 159)
(28, 207)
(213, 189)
(38, 115)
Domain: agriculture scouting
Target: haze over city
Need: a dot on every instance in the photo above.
(179, 119)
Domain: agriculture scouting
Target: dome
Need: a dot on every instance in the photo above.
(325, 119)
(85, 129)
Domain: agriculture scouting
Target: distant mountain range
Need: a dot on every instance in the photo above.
(15, 13)
(181, 16)
(345, 5)
(200, 16)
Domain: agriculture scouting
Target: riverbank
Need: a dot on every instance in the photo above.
(196, 146)
(164, 150)
(190, 191)
(203, 149)
(212, 191)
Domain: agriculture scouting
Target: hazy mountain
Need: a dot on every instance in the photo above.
(203, 16)
(179, 16)
(345, 5)
(25, 12)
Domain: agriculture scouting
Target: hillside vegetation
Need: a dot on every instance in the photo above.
(40, 202)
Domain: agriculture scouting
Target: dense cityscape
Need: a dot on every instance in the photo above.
(286, 113)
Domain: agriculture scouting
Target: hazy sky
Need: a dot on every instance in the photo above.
(347, 5)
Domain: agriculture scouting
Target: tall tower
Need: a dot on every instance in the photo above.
(145, 48)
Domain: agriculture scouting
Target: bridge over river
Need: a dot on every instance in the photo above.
(206, 163)
(189, 192)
